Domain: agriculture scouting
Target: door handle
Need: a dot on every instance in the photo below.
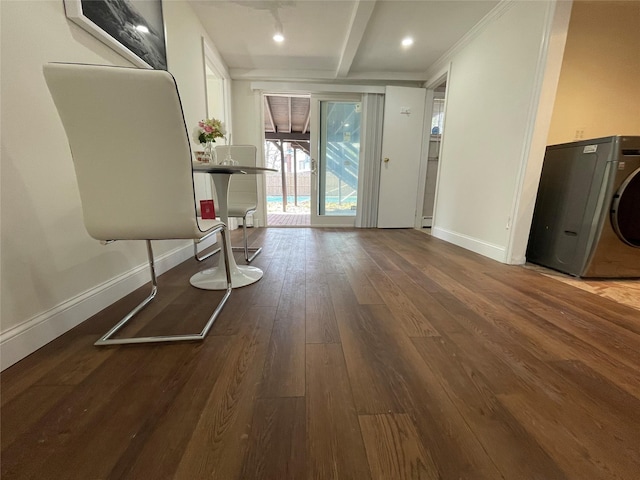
(386, 160)
(314, 166)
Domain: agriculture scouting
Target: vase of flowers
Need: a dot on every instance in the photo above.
(210, 151)
(206, 133)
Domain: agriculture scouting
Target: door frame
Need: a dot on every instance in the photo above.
(428, 114)
(261, 88)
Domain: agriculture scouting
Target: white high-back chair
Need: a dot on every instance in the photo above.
(132, 159)
(243, 191)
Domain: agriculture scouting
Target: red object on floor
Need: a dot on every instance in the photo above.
(207, 209)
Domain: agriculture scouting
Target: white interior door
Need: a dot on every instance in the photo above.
(335, 157)
(403, 128)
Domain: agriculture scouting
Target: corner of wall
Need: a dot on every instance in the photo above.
(541, 110)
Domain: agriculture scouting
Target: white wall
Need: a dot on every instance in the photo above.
(245, 109)
(494, 83)
(247, 121)
(53, 274)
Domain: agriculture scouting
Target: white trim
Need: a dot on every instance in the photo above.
(211, 58)
(442, 77)
(495, 252)
(27, 337)
(216, 62)
(424, 156)
(437, 67)
(260, 217)
(301, 87)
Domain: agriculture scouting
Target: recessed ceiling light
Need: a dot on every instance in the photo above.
(407, 42)
(142, 28)
(278, 37)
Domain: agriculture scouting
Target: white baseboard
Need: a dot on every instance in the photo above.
(27, 337)
(490, 250)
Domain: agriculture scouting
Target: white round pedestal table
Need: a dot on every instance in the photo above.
(241, 275)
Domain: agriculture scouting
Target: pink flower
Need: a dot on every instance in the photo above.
(208, 130)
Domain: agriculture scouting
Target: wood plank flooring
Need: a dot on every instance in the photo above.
(361, 354)
(288, 219)
(626, 291)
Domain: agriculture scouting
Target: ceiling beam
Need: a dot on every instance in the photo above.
(292, 95)
(279, 75)
(359, 20)
(267, 107)
(286, 136)
(306, 122)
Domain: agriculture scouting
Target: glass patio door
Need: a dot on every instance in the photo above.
(335, 159)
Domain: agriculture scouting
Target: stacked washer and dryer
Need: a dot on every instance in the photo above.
(586, 220)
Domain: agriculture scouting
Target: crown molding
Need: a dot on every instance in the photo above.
(441, 63)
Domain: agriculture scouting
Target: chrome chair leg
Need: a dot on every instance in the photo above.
(245, 248)
(107, 339)
(200, 259)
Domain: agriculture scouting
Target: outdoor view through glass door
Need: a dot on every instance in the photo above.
(335, 148)
(286, 132)
(288, 190)
(314, 144)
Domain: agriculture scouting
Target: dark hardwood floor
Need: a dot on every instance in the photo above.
(361, 354)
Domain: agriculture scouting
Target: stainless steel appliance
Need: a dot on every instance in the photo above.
(586, 220)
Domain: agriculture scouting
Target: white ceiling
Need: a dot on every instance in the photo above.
(336, 39)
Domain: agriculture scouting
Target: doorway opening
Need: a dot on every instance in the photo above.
(288, 189)
(287, 150)
(436, 128)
